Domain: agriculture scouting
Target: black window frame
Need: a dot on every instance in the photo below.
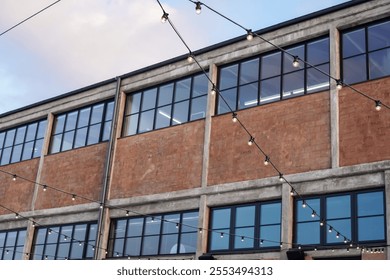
(365, 54)
(329, 228)
(160, 219)
(193, 96)
(258, 241)
(282, 73)
(14, 252)
(103, 122)
(36, 141)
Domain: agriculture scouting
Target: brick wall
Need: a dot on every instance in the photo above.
(295, 134)
(159, 161)
(364, 132)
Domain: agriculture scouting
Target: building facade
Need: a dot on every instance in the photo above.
(150, 165)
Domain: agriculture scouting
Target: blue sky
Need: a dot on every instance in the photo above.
(77, 43)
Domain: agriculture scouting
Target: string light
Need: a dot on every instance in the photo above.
(322, 223)
(337, 235)
(378, 105)
(44, 187)
(251, 140)
(164, 17)
(234, 117)
(339, 84)
(73, 197)
(242, 238)
(266, 160)
(14, 177)
(296, 62)
(249, 35)
(213, 90)
(292, 192)
(190, 58)
(330, 229)
(198, 8)
(127, 213)
(221, 235)
(304, 204)
(281, 178)
(16, 216)
(313, 214)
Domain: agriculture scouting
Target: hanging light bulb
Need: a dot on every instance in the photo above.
(16, 216)
(101, 206)
(292, 192)
(281, 178)
(164, 17)
(345, 240)
(266, 161)
(261, 242)
(304, 204)
(127, 213)
(330, 229)
(249, 35)
(14, 177)
(200, 230)
(313, 214)
(221, 234)
(378, 105)
(177, 225)
(198, 8)
(281, 244)
(251, 140)
(337, 235)
(44, 187)
(234, 117)
(339, 84)
(213, 90)
(322, 223)
(190, 58)
(242, 238)
(296, 62)
(73, 197)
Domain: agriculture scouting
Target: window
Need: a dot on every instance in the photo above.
(245, 227)
(366, 53)
(359, 217)
(167, 105)
(82, 127)
(73, 242)
(273, 77)
(11, 244)
(22, 143)
(165, 234)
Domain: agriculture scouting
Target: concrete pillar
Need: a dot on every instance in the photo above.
(287, 221)
(203, 223)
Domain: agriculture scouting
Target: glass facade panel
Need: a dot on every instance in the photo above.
(378, 36)
(11, 244)
(248, 96)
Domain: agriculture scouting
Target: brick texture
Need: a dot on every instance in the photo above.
(295, 134)
(78, 171)
(160, 161)
(364, 132)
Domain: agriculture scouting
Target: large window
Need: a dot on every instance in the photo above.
(11, 244)
(165, 234)
(65, 242)
(166, 105)
(273, 77)
(22, 143)
(359, 217)
(82, 127)
(366, 53)
(245, 227)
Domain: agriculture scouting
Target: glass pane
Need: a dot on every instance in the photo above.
(97, 113)
(50, 251)
(9, 139)
(56, 143)
(293, 84)
(370, 204)
(228, 96)
(249, 71)
(40, 236)
(152, 226)
(150, 245)
(171, 223)
(52, 236)
(2, 137)
(248, 96)
(131, 123)
(94, 134)
(20, 133)
(41, 129)
(288, 59)
(270, 65)
(133, 246)
(27, 150)
(77, 251)
(11, 239)
(38, 252)
(81, 137)
(354, 69)
(106, 131)
(169, 244)
(190, 222)
(92, 233)
(163, 117)
(198, 108)
(133, 103)
(67, 142)
(80, 232)
(59, 124)
(31, 131)
(304, 213)
(354, 43)
(379, 63)
(338, 207)
(180, 112)
(120, 229)
(16, 153)
(38, 148)
(109, 111)
(21, 238)
(220, 218)
(318, 52)
(66, 234)
(200, 85)
(308, 233)
(135, 227)
(146, 121)
(372, 228)
(6, 156)
(378, 36)
(149, 99)
(188, 242)
(118, 247)
(317, 81)
(18, 254)
(218, 241)
(84, 117)
(342, 226)
(270, 236)
(183, 89)
(228, 77)
(245, 216)
(244, 238)
(63, 251)
(71, 121)
(165, 95)
(2, 239)
(270, 213)
(270, 90)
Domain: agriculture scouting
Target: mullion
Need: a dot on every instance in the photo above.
(34, 141)
(191, 97)
(102, 121)
(125, 237)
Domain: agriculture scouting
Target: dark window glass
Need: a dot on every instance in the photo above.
(133, 103)
(249, 71)
(316, 80)
(93, 134)
(71, 121)
(198, 108)
(31, 132)
(270, 90)
(6, 156)
(2, 137)
(20, 134)
(11, 244)
(354, 69)
(183, 90)
(228, 100)
(16, 153)
(9, 139)
(165, 95)
(318, 52)
(288, 58)
(27, 150)
(146, 121)
(180, 112)
(131, 124)
(149, 99)
(354, 43)
(248, 96)
(307, 226)
(84, 117)
(97, 114)
(109, 111)
(378, 36)
(67, 142)
(59, 124)
(41, 129)
(38, 148)
(200, 85)
(293, 84)
(81, 137)
(379, 63)
(228, 77)
(163, 117)
(271, 65)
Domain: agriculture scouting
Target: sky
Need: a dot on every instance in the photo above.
(77, 43)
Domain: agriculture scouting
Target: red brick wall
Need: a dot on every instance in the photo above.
(160, 161)
(17, 195)
(78, 171)
(295, 134)
(364, 132)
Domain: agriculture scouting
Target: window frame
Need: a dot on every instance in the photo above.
(13, 251)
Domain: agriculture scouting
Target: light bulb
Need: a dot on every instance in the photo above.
(339, 84)
(234, 117)
(14, 177)
(164, 18)
(127, 213)
(330, 229)
(313, 214)
(221, 234)
(378, 105)
(190, 58)
(242, 239)
(73, 197)
(198, 8)
(281, 178)
(296, 62)
(251, 140)
(266, 161)
(303, 204)
(44, 188)
(322, 223)
(338, 235)
(213, 90)
(249, 35)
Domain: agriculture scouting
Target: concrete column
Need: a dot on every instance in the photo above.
(203, 224)
(387, 194)
(334, 41)
(287, 220)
